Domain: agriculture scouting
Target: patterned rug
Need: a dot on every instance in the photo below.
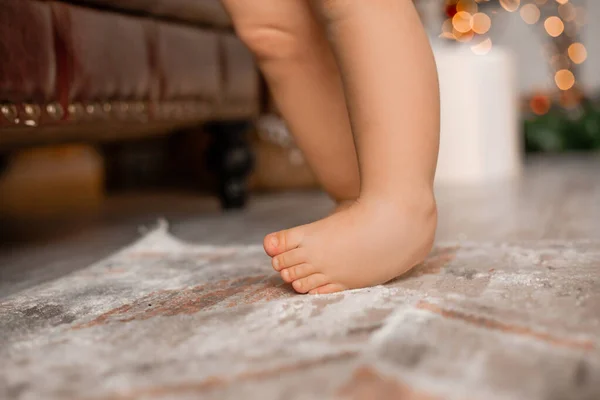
(166, 319)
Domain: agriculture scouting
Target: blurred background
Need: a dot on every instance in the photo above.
(166, 115)
(555, 61)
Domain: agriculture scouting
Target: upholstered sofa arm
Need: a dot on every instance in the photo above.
(65, 65)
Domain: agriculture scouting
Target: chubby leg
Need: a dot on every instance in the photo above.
(298, 64)
(391, 88)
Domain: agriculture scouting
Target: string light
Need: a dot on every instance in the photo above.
(472, 20)
(567, 12)
(530, 14)
(467, 5)
(540, 104)
(462, 21)
(467, 23)
(577, 53)
(554, 26)
(564, 79)
(464, 37)
(481, 23)
(510, 5)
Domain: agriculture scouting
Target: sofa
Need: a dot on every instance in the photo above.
(109, 70)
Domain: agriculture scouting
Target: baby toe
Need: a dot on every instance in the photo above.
(280, 242)
(309, 283)
(289, 259)
(298, 272)
(328, 289)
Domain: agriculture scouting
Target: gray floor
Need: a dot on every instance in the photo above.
(557, 198)
(508, 308)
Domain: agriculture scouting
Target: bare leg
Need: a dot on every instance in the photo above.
(297, 61)
(391, 88)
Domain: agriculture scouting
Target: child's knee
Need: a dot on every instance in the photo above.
(272, 41)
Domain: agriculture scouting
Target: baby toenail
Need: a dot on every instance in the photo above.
(276, 263)
(274, 241)
(286, 274)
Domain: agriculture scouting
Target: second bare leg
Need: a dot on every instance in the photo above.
(299, 66)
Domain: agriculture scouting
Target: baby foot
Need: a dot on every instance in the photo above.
(364, 244)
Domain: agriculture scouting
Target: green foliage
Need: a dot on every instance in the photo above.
(561, 130)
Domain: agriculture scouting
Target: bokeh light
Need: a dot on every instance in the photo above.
(554, 26)
(463, 37)
(564, 79)
(467, 5)
(462, 22)
(577, 53)
(510, 5)
(540, 104)
(447, 29)
(481, 23)
(530, 13)
(567, 12)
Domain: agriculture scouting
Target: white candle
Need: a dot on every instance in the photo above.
(480, 139)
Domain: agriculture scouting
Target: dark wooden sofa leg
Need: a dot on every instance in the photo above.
(231, 159)
(3, 163)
